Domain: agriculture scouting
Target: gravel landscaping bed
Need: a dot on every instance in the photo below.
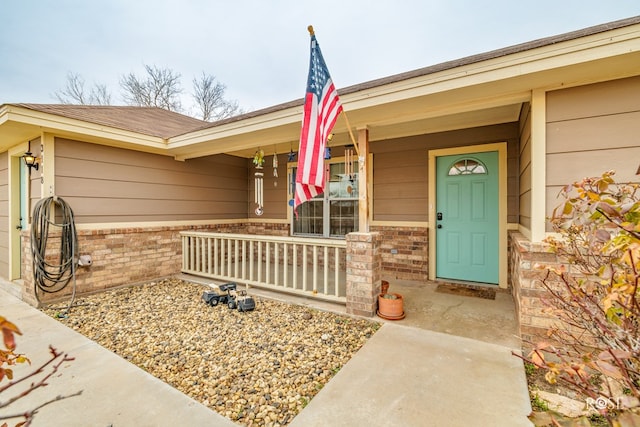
(256, 368)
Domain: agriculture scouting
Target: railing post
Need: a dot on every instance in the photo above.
(295, 266)
(364, 267)
(209, 257)
(286, 264)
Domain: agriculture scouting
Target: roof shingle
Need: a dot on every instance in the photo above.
(151, 121)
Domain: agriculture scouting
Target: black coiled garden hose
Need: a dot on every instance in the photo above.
(49, 275)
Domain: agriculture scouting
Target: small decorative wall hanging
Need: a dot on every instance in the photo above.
(258, 158)
(292, 155)
(275, 165)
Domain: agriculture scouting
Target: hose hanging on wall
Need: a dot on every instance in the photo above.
(51, 277)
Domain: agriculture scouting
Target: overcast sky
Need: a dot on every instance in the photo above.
(260, 48)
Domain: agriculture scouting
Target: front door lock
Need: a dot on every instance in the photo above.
(439, 216)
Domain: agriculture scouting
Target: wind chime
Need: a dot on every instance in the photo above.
(275, 169)
(348, 167)
(258, 161)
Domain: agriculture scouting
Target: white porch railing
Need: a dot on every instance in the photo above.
(303, 266)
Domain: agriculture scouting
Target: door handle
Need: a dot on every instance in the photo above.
(18, 227)
(439, 225)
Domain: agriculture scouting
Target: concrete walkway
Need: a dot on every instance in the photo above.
(403, 376)
(114, 391)
(406, 376)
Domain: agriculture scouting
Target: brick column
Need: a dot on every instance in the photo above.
(364, 269)
(528, 292)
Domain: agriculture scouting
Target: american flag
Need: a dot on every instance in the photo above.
(321, 109)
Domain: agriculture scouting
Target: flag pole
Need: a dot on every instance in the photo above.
(353, 139)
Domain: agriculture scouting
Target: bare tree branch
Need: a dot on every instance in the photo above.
(99, 95)
(55, 355)
(161, 88)
(74, 92)
(209, 97)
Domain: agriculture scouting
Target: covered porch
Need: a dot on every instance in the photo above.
(316, 272)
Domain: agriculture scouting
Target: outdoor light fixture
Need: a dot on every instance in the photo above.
(30, 160)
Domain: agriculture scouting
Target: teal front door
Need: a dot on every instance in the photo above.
(467, 217)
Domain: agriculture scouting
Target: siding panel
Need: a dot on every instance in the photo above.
(624, 161)
(400, 170)
(594, 133)
(602, 99)
(592, 129)
(105, 184)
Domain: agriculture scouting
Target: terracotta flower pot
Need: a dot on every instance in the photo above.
(391, 308)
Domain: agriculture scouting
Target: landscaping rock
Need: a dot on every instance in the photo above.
(563, 405)
(256, 368)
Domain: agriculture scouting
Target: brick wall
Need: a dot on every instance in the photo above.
(525, 277)
(267, 229)
(120, 257)
(404, 252)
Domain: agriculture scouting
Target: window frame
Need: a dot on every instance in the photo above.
(326, 200)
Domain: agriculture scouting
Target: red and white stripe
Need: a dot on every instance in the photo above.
(319, 117)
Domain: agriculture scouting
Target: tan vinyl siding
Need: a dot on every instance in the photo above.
(592, 129)
(524, 190)
(400, 172)
(4, 214)
(105, 184)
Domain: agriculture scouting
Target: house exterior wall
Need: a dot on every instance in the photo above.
(400, 169)
(113, 185)
(404, 252)
(4, 214)
(120, 257)
(400, 193)
(589, 129)
(592, 129)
